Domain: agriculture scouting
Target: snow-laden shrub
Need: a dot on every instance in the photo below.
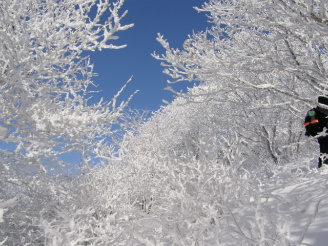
(47, 123)
(197, 187)
(155, 199)
(187, 201)
(93, 210)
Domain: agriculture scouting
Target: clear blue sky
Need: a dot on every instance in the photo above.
(174, 19)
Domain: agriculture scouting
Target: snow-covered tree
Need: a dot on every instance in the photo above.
(258, 44)
(45, 80)
(188, 183)
(265, 60)
(196, 166)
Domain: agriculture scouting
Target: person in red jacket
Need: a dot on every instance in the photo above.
(316, 124)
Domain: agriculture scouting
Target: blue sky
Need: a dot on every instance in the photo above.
(174, 19)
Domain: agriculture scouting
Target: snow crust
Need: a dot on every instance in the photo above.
(3, 132)
(304, 202)
(1, 215)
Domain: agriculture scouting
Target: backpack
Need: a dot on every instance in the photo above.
(311, 123)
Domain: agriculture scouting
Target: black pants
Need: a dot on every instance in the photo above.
(323, 143)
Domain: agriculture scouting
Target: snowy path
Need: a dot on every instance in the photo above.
(305, 206)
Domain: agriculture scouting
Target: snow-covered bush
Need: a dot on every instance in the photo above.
(199, 162)
(95, 210)
(194, 184)
(45, 116)
(265, 60)
(190, 174)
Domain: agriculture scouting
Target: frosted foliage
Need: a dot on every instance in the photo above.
(201, 170)
(203, 165)
(44, 78)
(190, 183)
(224, 164)
(45, 114)
(264, 62)
(278, 46)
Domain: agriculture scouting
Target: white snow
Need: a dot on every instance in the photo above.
(1, 215)
(4, 205)
(305, 205)
(3, 132)
(2, 243)
(9, 203)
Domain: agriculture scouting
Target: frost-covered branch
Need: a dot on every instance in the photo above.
(47, 123)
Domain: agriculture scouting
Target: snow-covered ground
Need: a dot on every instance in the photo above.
(304, 202)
